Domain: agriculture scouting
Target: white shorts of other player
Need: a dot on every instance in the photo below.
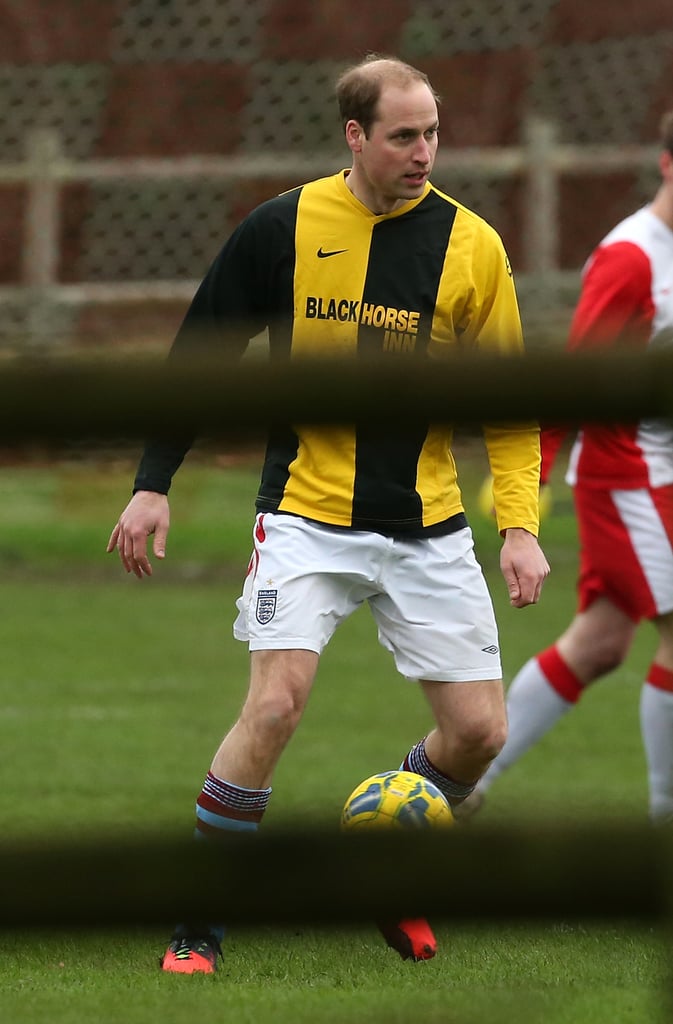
(428, 596)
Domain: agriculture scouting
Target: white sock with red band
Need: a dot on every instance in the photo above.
(656, 724)
(540, 694)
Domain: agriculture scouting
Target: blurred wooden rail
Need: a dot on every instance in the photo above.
(62, 399)
(332, 878)
(541, 161)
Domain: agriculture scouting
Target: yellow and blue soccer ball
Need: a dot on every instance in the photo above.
(396, 799)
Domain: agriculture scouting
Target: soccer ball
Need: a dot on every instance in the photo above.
(485, 500)
(396, 799)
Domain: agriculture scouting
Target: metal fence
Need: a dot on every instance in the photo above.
(541, 162)
(135, 134)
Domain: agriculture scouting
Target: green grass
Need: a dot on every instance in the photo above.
(559, 975)
(115, 693)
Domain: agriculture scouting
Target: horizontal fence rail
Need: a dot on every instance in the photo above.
(541, 161)
(60, 399)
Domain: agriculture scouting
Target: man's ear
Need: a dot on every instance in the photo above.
(354, 136)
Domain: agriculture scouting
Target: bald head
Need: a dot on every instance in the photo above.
(358, 88)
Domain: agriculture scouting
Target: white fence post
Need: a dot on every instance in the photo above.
(43, 212)
(42, 229)
(541, 230)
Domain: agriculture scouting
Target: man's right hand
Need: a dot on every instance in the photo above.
(146, 513)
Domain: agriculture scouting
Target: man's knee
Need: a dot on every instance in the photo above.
(484, 738)
(471, 726)
(273, 714)
(597, 640)
(279, 688)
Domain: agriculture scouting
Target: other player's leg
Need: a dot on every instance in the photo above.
(656, 722)
(552, 682)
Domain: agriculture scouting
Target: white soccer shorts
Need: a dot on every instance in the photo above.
(428, 596)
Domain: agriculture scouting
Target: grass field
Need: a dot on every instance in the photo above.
(115, 693)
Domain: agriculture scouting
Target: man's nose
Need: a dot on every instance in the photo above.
(422, 153)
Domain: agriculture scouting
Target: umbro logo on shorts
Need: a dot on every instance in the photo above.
(322, 255)
(490, 650)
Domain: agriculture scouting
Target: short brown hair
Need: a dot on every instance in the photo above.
(358, 88)
(666, 131)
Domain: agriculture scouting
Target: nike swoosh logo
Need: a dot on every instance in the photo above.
(323, 255)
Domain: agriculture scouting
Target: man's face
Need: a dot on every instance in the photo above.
(392, 164)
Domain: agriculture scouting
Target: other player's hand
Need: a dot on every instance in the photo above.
(146, 513)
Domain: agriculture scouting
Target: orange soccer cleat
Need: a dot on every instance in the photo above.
(191, 953)
(412, 938)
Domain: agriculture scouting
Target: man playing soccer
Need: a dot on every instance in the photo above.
(622, 479)
(371, 261)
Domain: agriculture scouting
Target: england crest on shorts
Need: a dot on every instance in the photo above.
(266, 605)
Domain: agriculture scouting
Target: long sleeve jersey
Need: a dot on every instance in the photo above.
(626, 298)
(327, 277)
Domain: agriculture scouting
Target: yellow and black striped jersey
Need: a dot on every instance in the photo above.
(327, 277)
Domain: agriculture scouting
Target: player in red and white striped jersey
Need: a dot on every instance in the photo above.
(622, 479)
